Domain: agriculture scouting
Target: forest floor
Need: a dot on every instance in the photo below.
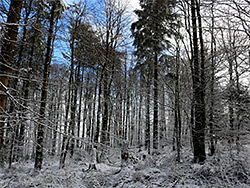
(224, 170)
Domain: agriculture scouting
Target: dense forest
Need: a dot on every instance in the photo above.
(98, 82)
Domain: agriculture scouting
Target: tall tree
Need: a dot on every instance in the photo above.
(212, 83)
(55, 6)
(112, 24)
(177, 111)
(155, 23)
(198, 87)
(6, 60)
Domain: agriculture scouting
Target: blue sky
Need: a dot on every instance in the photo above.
(133, 3)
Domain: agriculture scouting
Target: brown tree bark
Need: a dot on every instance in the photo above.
(6, 59)
(40, 128)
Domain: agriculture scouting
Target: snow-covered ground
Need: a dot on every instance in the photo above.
(225, 169)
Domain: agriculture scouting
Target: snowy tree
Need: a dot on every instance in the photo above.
(56, 9)
(6, 60)
(156, 23)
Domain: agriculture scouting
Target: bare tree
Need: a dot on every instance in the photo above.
(40, 130)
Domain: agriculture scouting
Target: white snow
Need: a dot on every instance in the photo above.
(142, 171)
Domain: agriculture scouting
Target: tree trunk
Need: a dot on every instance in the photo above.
(99, 109)
(211, 110)
(199, 128)
(92, 138)
(202, 88)
(155, 118)
(177, 113)
(85, 112)
(6, 59)
(79, 109)
(140, 119)
(73, 120)
(40, 130)
(65, 135)
(127, 116)
(104, 132)
(68, 131)
(74, 92)
(57, 109)
(147, 131)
